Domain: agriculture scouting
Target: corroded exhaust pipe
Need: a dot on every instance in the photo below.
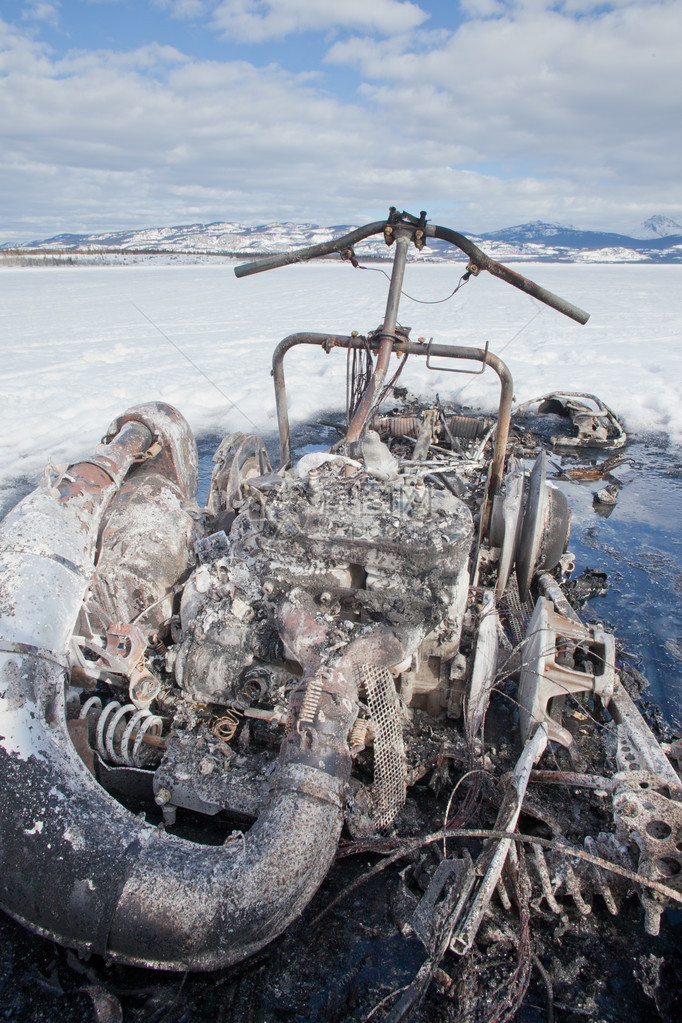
(75, 866)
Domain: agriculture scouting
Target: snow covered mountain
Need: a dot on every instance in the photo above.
(524, 242)
(660, 227)
(555, 236)
(218, 237)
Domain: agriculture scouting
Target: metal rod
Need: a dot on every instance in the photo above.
(387, 337)
(312, 251)
(322, 340)
(478, 258)
(507, 819)
(402, 243)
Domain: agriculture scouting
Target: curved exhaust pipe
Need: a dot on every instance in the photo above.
(75, 866)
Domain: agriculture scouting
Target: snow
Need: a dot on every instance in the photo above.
(613, 254)
(83, 343)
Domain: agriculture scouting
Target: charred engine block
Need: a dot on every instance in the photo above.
(359, 551)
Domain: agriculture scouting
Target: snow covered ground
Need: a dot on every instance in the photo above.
(79, 347)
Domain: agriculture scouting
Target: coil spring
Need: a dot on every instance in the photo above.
(121, 731)
(157, 644)
(224, 728)
(464, 427)
(358, 736)
(311, 701)
(92, 704)
(467, 427)
(397, 426)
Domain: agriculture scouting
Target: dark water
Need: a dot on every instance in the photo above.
(639, 546)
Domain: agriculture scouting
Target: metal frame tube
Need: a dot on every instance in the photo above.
(329, 341)
(75, 866)
(311, 251)
(481, 261)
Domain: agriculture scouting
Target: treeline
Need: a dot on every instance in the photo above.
(109, 250)
(25, 256)
(15, 257)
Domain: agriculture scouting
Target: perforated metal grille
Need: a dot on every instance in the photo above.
(516, 614)
(389, 787)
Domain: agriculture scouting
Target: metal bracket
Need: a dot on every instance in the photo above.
(547, 669)
(448, 369)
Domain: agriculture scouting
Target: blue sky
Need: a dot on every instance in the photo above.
(119, 114)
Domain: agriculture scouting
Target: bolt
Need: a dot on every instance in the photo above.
(314, 495)
(163, 796)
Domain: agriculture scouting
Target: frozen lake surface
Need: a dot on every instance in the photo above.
(82, 344)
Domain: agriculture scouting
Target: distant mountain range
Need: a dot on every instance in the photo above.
(536, 241)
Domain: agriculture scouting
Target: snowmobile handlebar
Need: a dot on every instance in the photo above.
(478, 260)
(346, 241)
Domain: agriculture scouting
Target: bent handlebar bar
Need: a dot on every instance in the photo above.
(478, 261)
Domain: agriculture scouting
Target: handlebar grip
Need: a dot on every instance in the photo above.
(537, 291)
(267, 263)
(483, 262)
(311, 252)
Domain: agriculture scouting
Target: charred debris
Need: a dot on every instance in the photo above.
(363, 671)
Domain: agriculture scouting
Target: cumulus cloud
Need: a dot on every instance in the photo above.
(260, 20)
(538, 88)
(106, 137)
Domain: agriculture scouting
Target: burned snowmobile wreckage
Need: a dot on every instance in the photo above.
(265, 664)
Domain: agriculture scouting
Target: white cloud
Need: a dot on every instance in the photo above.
(260, 20)
(152, 136)
(593, 96)
(39, 10)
